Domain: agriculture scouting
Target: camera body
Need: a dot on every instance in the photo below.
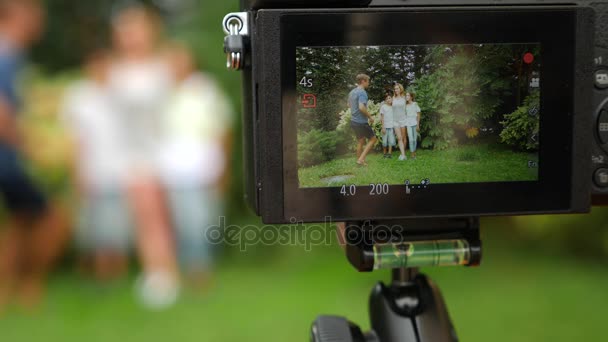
(565, 65)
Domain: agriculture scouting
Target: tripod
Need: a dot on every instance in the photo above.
(411, 308)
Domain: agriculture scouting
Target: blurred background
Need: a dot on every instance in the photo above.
(100, 232)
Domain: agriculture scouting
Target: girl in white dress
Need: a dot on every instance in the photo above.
(412, 121)
(399, 117)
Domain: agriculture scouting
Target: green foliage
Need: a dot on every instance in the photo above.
(459, 88)
(463, 91)
(348, 141)
(346, 131)
(333, 73)
(75, 28)
(316, 147)
(437, 130)
(521, 125)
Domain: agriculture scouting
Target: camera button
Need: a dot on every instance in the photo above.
(601, 178)
(602, 126)
(601, 79)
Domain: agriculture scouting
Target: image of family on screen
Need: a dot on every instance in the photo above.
(452, 113)
(399, 116)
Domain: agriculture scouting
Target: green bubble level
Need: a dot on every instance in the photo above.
(422, 254)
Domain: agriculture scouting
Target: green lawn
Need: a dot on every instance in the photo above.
(516, 295)
(464, 164)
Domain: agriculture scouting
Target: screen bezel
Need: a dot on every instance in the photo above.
(553, 29)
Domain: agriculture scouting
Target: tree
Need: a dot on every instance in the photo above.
(321, 72)
(464, 87)
(460, 88)
(521, 127)
(74, 28)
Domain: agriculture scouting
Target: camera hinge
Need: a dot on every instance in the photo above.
(236, 43)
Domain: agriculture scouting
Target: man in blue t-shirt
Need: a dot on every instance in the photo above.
(357, 100)
(34, 231)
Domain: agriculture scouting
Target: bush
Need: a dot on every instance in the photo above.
(437, 133)
(522, 125)
(462, 94)
(347, 143)
(316, 147)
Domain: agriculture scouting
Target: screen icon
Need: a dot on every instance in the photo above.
(598, 159)
(309, 101)
(534, 138)
(535, 83)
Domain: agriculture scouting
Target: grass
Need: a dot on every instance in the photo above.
(464, 164)
(517, 295)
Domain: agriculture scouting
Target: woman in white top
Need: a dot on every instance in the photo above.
(412, 121)
(140, 83)
(399, 117)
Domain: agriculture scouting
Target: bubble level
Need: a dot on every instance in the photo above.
(422, 254)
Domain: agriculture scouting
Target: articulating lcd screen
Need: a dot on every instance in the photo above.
(418, 114)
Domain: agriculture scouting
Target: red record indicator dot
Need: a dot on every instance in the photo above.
(528, 58)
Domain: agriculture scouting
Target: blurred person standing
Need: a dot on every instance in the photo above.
(36, 230)
(140, 83)
(194, 161)
(104, 224)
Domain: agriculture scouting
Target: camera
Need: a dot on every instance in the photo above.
(410, 119)
(506, 107)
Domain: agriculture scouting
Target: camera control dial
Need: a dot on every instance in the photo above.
(601, 177)
(601, 79)
(602, 126)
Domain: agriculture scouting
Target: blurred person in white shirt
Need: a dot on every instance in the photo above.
(104, 224)
(194, 161)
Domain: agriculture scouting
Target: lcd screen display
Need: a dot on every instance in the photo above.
(417, 114)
